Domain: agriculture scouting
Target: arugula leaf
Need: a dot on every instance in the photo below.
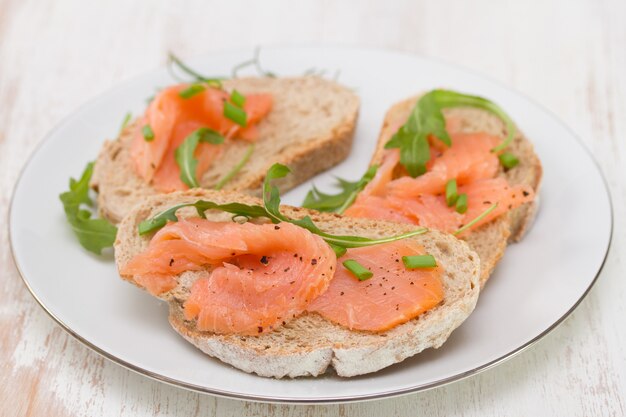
(235, 170)
(173, 60)
(271, 195)
(125, 122)
(338, 203)
(427, 119)
(476, 219)
(184, 154)
(161, 219)
(271, 201)
(93, 234)
(271, 210)
(256, 62)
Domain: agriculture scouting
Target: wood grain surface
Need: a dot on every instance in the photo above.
(570, 56)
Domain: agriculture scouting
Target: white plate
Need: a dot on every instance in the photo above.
(539, 282)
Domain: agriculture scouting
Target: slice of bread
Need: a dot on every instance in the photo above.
(310, 129)
(309, 344)
(490, 240)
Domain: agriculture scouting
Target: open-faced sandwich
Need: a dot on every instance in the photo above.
(451, 162)
(225, 134)
(284, 291)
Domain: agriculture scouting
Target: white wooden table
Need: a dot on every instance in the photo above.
(569, 56)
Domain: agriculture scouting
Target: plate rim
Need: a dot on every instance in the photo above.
(332, 399)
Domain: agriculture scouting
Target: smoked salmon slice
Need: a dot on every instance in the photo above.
(422, 201)
(468, 159)
(172, 118)
(431, 211)
(392, 296)
(258, 277)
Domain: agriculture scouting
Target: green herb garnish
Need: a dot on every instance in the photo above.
(338, 203)
(271, 210)
(477, 219)
(192, 90)
(125, 122)
(358, 270)
(237, 98)
(427, 119)
(339, 250)
(161, 219)
(461, 203)
(148, 133)
(451, 193)
(93, 234)
(235, 170)
(256, 62)
(236, 114)
(184, 154)
(419, 261)
(508, 160)
(211, 81)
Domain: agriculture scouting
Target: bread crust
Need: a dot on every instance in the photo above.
(310, 129)
(490, 240)
(309, 344)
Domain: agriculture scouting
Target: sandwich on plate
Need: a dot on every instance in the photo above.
(225, 134)
(450, 162)
(285, 292)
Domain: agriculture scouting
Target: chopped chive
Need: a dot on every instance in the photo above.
(191, 91)
(461, 203)
(125, 122)
(419, 261)
(237, 98)
(508, 160)
(235, 114)
(148, 133)
(236, 168)
(339, 250)
(477, 219)
(451, 193)
(358, 270)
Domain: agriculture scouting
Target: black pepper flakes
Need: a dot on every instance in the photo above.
(264, 260)
(526, 193)
(313, 261)
(171, 261)
(260, 329)
(276, 227)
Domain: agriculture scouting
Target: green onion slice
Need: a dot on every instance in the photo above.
(508, 160)
(419, 261)
(461, 203)
(358, 270)
(235, 114)
(148, 133)
(191, 91)
(451, 193)
(237, 98)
